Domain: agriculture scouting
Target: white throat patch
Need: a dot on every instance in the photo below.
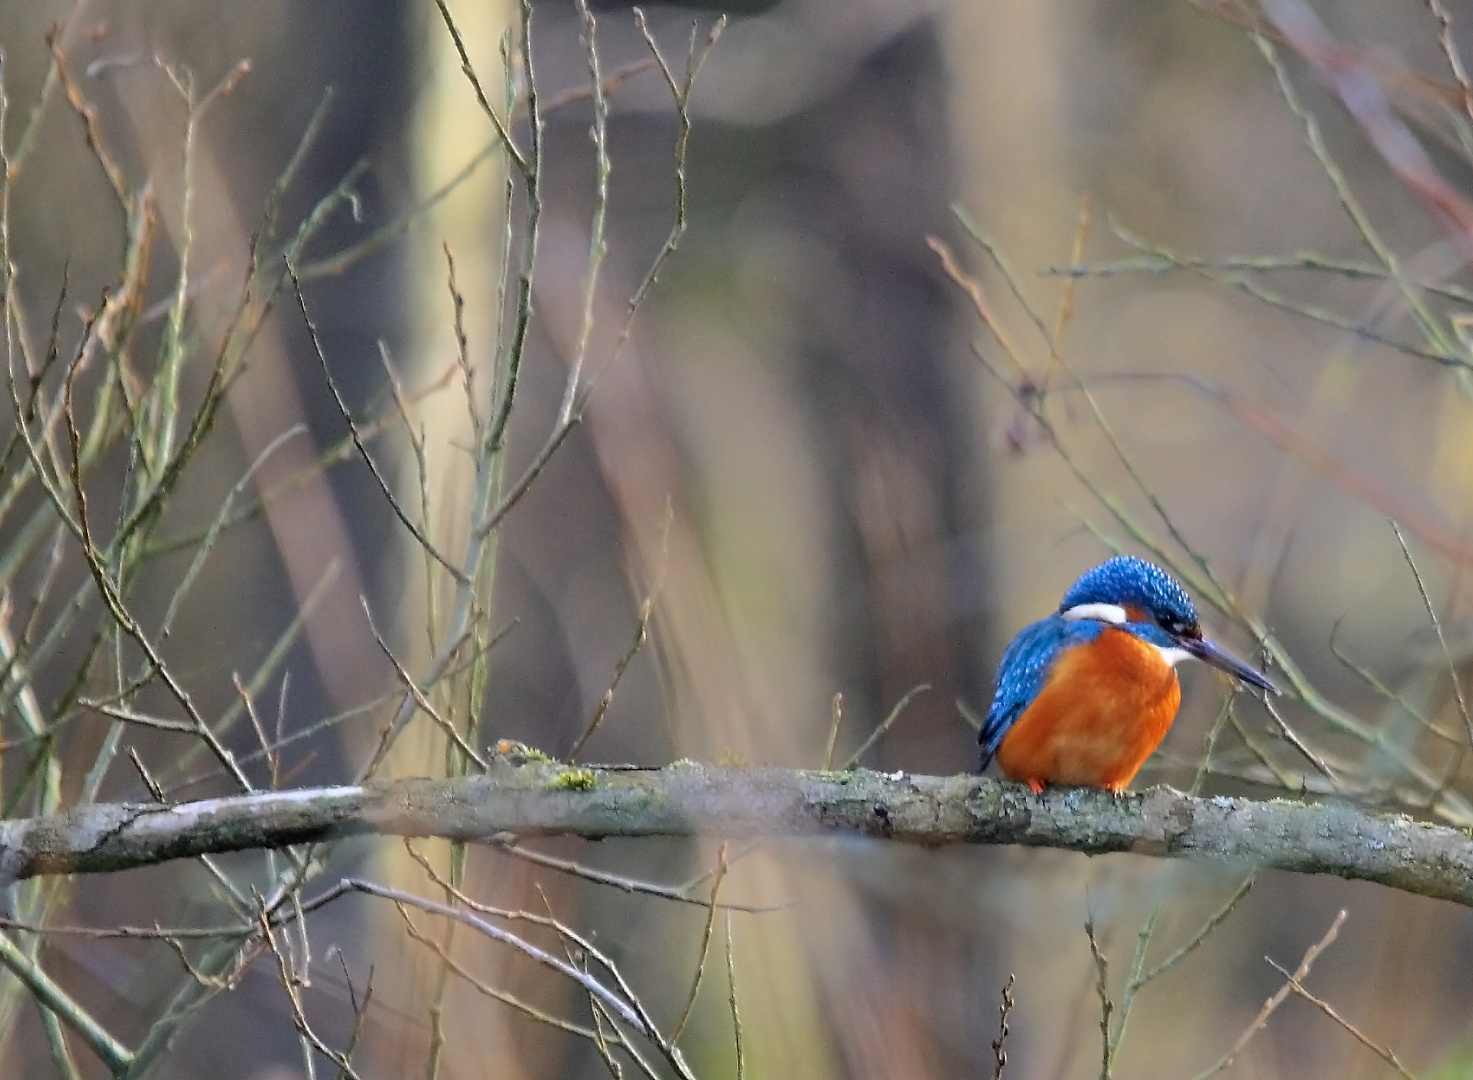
(1173, 655)
(1110, 613)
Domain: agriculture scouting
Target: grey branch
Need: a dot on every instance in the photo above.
(531, 797)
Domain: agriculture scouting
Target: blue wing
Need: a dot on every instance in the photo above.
(1024, 670)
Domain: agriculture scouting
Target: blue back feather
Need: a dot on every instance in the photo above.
(1024, 670)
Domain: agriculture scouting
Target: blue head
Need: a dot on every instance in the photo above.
(1142, 590)
(1147, 601)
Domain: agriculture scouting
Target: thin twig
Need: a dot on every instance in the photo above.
(884, 726)
(273, 761)
(731, 1000)
(1383, 1052)
(1200, 936)
(88, 114)
(1416, 305)
(1454, 58)
(1452, 667)
(641, 634)
(291, 979)
(1229, 267)
(462, 344)
(973, 289)
(695, 985)
(622, 1008)
(524, 164)
(423, 702)
(357, 436)
(836, 719)
(1102, 990)
(999, 1044)
(627, 884)
(484, 988)
(680, 91)
(1294, 739)
(114, 1055)
(1261, 1020)
(597, 242)
(1395, 697)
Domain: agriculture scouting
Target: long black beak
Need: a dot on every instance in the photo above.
(1223, 660)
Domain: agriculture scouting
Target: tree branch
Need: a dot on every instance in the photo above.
(527, 795)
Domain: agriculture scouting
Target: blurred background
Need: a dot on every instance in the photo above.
(826, 474)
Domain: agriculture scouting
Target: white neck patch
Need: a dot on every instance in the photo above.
(1173, 656)
(1110, 613)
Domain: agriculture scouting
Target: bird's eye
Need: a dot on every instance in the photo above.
(1180, 627)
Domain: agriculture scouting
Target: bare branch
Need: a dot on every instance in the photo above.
(528, 796)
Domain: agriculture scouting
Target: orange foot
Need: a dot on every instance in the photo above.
(1036, 785)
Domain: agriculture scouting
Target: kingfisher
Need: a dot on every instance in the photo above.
(1087, 694)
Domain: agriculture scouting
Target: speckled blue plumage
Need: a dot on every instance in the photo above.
(1124, 581)
(1024, 670)
(1131, 582)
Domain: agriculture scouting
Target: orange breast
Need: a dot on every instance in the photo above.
(1106, 706)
